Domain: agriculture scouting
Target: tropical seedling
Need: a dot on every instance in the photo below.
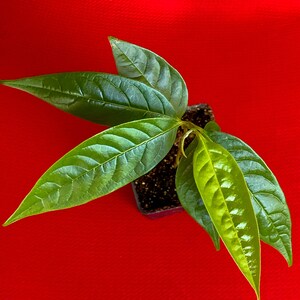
(220, 181)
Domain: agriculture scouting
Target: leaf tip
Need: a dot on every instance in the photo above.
(290, 261)
(15, 216)
(112, 40)
(256, 287)
(6, 223)
(9, 83)
(10, 220)
(217, 245)
(257, 294)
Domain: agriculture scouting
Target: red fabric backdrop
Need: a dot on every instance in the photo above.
(242, 57)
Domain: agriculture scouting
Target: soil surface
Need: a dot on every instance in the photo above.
(155, 192)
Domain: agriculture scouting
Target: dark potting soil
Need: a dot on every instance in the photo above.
(155, 192)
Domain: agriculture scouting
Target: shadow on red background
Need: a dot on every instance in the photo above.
(243, 59)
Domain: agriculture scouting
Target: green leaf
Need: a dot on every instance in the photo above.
(100, 165)
(145, 66)
(225, 195)
(98, 97)
(268, 200)
(189, 196)
(212, 126)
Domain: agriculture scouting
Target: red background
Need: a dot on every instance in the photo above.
(241, 57)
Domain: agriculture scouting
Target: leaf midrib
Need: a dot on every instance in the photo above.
(253, 195)
(133, 64)
(235, 230)
(271, 222)
(117, 105)
(115, 157)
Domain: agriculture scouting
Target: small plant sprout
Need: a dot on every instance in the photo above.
(220, 181)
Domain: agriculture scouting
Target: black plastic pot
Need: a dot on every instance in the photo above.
(155, 192)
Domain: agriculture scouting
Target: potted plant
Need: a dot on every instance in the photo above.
(220, 181)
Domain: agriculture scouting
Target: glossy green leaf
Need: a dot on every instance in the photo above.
(268, 200)
(145, 66)
(226, 197)
(189, 196)
(98, 97)
(100, 165)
